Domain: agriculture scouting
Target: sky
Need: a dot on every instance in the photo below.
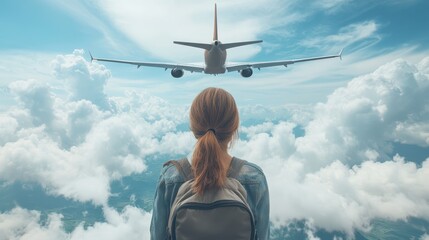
(74, 126)
(33, 33)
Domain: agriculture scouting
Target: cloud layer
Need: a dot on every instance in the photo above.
(132, 223)
(341, 167)
(76, 147)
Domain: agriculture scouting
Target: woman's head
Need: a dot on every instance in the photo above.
(214, 121)
(214, 108)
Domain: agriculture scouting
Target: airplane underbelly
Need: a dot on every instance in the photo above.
(215, 61)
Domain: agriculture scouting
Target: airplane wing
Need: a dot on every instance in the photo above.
(187, 67)
(259, 65)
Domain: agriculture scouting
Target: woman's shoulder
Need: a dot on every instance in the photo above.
(251, 172)
(170, 174)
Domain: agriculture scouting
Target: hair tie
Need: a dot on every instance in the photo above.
(211, 129)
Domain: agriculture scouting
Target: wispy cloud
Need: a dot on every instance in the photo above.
(330, 6)
(154, 25)
(357, 35)
(85, 12)
(35, 63)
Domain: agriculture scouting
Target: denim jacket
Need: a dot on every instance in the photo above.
(250, 176)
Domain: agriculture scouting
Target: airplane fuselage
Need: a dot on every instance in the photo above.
(215, 59)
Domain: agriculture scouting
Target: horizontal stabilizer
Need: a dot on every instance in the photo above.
(238, 44)
(197, 45)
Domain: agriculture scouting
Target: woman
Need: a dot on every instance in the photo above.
(214, 122)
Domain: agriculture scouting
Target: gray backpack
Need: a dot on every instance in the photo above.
(219, 214)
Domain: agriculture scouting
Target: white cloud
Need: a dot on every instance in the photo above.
(8, 127)
(363, 34)
(12, 63)
(79, 119)
(364, 115)
(310, 231)
(72, 147)
(83, 12)
(36, 97)
(24, 224)
(341, 166)
(87, 148)
(268, 145)
(331, 5)
(36, 158)
(423, 66)
(131, 223)
(85, 80)
(341, 163)
(424, 237)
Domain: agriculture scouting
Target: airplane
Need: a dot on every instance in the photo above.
(215, 58)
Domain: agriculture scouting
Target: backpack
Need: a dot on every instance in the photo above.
(219, 214)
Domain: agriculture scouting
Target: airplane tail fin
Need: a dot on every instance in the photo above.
(215, 36)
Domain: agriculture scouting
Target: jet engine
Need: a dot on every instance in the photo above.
(247, 72)
(177, 73)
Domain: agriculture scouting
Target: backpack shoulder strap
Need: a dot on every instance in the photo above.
(183, 167)
(236, 165)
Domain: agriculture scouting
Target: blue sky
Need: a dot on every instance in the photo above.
(371, 32)
(350, 135)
